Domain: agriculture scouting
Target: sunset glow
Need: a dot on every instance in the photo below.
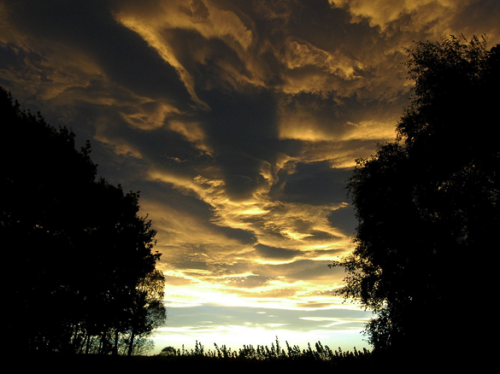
(240, 122)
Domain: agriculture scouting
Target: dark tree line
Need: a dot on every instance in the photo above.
(77, 263)
(428, 207)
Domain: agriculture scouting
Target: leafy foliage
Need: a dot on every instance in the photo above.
(429, 201)
(78, 258)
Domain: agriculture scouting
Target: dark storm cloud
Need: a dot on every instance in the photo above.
(316, 183)
(344, 219)
(12, 57)
(242, 120)
(90, 27)
(275, 253)
(162, 147)
(303, 270)
(217, 58)
(479, 14)
(316, 235)
(242, 129)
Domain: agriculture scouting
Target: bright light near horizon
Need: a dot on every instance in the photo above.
(239, 326)
(235, 337)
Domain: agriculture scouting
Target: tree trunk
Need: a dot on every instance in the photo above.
(131, 344)
(88, 344)
(115, 349)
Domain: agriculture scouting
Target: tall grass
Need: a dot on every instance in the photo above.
(264, 353)
(268, 359)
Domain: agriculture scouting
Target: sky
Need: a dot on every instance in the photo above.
(240, 122)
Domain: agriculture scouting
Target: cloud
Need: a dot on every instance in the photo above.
(424, 19)
(384, 12)
(343, 219)
(216, 36)
(316, 183)
(275, 253)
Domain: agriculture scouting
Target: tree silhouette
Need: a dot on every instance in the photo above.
(147, 311)
(428, 203)
(75, 251)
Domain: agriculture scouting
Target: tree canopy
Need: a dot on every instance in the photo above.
(78, 262)
(427, 204)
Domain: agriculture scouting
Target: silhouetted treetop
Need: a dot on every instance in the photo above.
(78, 255)
(429, 203)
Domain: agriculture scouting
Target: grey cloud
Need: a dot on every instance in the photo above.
(242, 131)
(479, 17)
(344, 219)
(317, 235)
(13, 57)
(316, 183)
(301, 320)
(243, 236)
(199, 9)
(275, 253)
(248, 282)
(186, 264)
(306, 270)
(90, 27)
(241, 174)
(212, 73)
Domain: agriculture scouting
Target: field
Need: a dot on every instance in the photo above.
(261, 359)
